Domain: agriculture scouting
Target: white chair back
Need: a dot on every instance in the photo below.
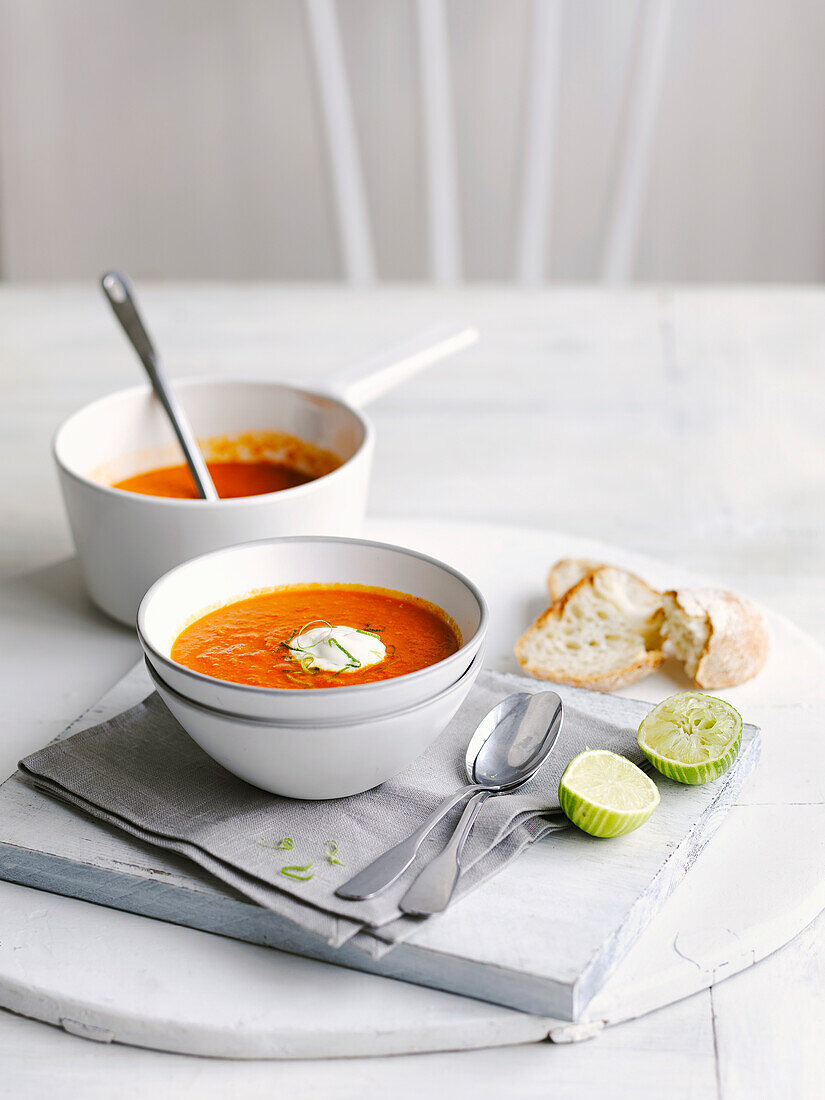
(534, 230)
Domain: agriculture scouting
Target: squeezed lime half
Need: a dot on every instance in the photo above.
(691, 737)
(605, 794)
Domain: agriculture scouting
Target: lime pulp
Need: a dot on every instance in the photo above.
(691, 737)
(605, 794)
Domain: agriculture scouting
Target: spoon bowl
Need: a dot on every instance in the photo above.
(513, 740)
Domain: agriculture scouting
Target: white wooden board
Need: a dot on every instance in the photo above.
(541, 936)
(776, 886)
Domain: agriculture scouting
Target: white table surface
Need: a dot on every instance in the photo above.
(684, 424)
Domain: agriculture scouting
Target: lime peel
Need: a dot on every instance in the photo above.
(691, 737)
(605, 794)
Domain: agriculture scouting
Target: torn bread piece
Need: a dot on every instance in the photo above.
(721, 638)
(603, 633)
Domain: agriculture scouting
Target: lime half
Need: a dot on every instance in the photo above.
(605, 795)
(691, 737)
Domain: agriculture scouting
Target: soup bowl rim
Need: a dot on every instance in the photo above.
(147, 499)
(318, 694)
(471, 671)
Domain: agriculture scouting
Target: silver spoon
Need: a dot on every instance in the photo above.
(523, 736)
(119, 294)
(509, 746)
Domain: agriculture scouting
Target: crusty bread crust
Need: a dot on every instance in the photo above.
(567, 572)
(644, 660)
(629, 675)
(737, 644)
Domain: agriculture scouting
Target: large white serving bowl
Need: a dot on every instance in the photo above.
(126, 541)
(223, 576)
(315, 760)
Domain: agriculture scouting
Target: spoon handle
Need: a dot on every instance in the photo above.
(383, 872)
(432, 890)
(118, 292)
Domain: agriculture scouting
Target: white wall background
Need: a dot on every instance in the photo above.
(184, 138)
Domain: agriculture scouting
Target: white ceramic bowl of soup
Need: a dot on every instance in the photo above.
(321, 759)
(225, 576)
(126, 540)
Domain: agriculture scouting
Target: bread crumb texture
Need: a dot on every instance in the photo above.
(603, 633)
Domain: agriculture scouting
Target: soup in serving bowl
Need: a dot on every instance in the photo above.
(367, 626)
(231, 479)
(318, 636)
(247, 465)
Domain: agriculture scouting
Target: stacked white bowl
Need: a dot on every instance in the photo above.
(327, 742)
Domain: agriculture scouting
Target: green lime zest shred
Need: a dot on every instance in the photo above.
(353, 660)
(285, 843)
(302, 655)
(298, 873)
(331, 853)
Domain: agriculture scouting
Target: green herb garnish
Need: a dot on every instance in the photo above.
(307, 658)
(331, 853)
(286, 843)
(296, 872)
(353, 661)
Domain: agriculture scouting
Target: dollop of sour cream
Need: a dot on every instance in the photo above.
(337, 649)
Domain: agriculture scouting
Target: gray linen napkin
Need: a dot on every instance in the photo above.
(141, 773)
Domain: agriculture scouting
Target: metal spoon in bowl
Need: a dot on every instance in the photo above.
(118, 291)
(509, 746)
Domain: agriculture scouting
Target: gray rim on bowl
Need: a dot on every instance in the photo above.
(289, 723)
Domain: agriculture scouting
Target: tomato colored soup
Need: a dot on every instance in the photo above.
(245, 465)
(318, 636)
(232, 479)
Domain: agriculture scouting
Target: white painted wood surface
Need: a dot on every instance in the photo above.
(735, 489)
